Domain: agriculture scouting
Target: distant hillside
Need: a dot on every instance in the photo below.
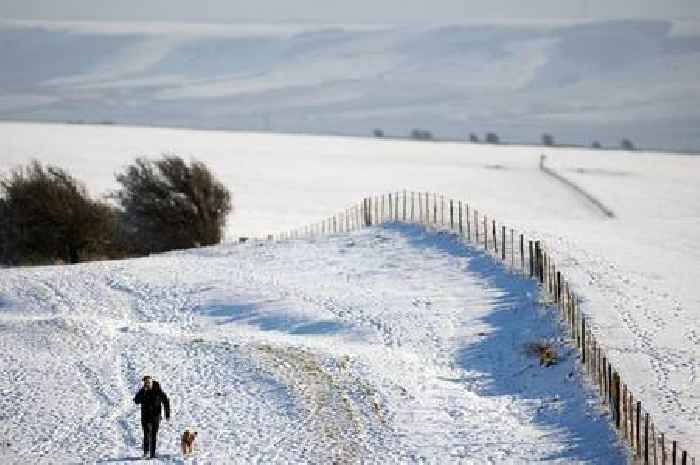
(582, 82)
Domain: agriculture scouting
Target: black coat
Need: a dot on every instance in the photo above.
(151, 401)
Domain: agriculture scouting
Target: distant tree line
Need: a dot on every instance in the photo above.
(421, 134)
(493, 138)
(47, 215)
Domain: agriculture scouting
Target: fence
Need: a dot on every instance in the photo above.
(530, 258)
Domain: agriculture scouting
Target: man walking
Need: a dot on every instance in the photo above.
(151, 396)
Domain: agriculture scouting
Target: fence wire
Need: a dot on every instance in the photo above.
(530, 258)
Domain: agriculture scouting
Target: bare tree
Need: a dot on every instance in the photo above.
(169, 204)
(547, 139)
(492, 138)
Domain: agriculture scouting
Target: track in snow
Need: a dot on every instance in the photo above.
(388, 345)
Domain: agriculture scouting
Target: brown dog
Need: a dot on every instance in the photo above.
(187, 441)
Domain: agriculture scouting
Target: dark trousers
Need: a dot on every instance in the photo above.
(150, 436)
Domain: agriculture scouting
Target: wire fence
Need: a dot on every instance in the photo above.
(529, 258)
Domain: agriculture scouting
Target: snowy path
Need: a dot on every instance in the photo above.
(389, 345)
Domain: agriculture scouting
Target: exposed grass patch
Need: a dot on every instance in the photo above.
(331, 413)
(543, 350)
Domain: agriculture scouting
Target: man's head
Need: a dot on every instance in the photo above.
(147, 382)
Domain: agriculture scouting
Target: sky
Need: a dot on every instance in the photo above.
(359, 11)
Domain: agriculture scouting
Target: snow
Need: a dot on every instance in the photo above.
(577, 80)
(406, 306)
(248, 342)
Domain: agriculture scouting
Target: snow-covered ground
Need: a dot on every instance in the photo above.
(577, 80)
(388, 345)
(637, 273)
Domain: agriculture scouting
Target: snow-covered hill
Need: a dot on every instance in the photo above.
(389, 345)
(637, 273)
(580, 81)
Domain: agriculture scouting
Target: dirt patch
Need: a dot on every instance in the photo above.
(332, 419)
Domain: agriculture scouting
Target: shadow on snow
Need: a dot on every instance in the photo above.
(503, 367)
(266, 317)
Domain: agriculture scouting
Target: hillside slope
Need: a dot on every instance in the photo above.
(389, 345)
(637, 272)
(580, 81)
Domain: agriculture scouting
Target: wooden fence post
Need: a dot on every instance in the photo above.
(599, 366)
(495, 238)
(376, 211)
(404, 205)
(486, 234)
(674, 445)
(608, 387)
(653, 444)
(646, 439)
(442, 210)
(595, 364)
(503, 243)
(461, 229)
(663, 450)
(426, 196)
(638, 428)
(382, 215)
(413, 195)
(476, 225)
(592, 360)
(583, 340)
(624, 411)
(420, 208)
(396, 210)
(512, 250)
(570, 310)
(541, 260)
(532, 263)
(435, 209)
(633, 431)
(466, 213)
(617, 402)
(364, 211)
(469, 230)
(427, 210)
(522, 253)
(606, 382)
(452, 217)
(557, 296)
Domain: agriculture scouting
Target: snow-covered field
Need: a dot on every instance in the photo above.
(433, 332)
(577, 80)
